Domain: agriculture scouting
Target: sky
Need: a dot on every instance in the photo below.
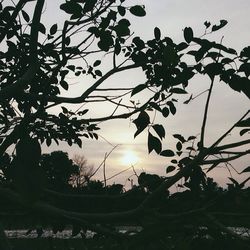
(171, 16)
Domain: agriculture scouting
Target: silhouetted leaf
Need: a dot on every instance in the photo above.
(170, 169)
(48, 141)
(83, 112)
(171, 107)
(42, 28)
(179, 137)
(159, 129)
(179, 146)
(244, 123)
(141, 122)
(53, 29)
(137, 10)
(207, 24)
(153, 144)
(89, 5)
(165, 112)
(71, 67)
(65, 110)
(188, 34)
(246, 170)
(221, 25)
(191, 138)
(97, 63)
(157, 33)
(121, 10)
(139, 42)
(243, 131)
(138, 89)
(98, 72)
(25, 16)
(72, 7)
(64, 84)
(167, 153)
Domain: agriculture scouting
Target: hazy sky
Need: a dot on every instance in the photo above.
(172, 16)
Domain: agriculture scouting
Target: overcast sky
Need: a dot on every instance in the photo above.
(172, 16)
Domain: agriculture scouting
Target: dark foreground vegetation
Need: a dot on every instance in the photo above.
(92, 44)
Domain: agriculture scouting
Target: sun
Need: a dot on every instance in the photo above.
(129, 158)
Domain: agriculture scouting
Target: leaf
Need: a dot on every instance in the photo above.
(170, 169)
(71, 67)
(159, 129)
(167, 153)
(53, 29)
(48, 141)
(65, 111)
(243, 131)
(138, 89)
(83, 112)
(191, 138)
(121, 10)
(154, 144)
(165, 112)
(207, 24)
(181, 46)
(179, 146)
(178, 91)
(25, 16)
(137, 10)
(138, 42)
(221, 25)
(89, 5)
(42, 28)
(157, 33)
(141, 122)
(171, 107)
(72, 7)
(64, 84)
(188, 34)
(98, 73)
(246, 170)
(155, 106)
(97, 63)
(244, 123)
(179, 137)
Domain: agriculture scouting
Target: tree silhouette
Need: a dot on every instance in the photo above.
(35, 67)
(58, 169)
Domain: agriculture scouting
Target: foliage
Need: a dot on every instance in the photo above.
(35, 65)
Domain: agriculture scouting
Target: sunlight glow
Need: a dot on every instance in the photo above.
(129, 158)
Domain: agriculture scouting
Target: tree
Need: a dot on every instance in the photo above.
(34, 71)
(58, 169)
(85, 171)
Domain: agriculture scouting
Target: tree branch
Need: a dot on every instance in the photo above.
(203, 127)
